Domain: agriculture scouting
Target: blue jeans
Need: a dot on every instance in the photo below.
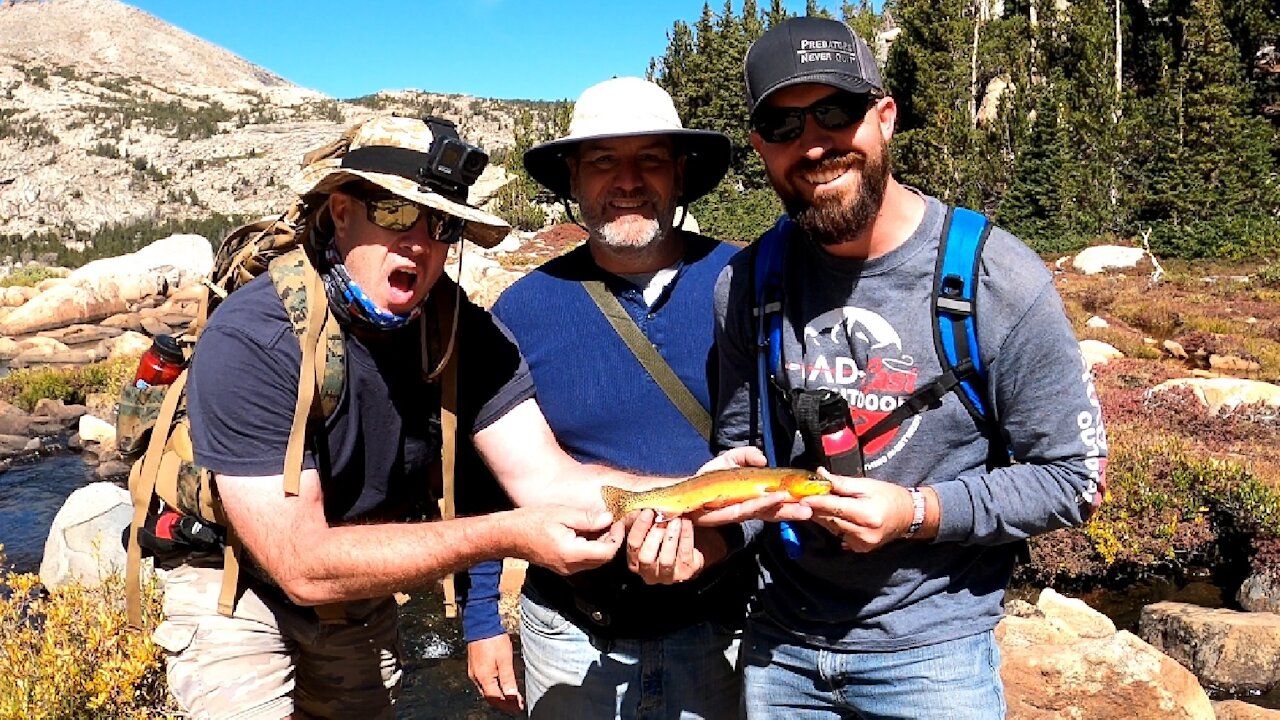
(955, 680)
(691, 673)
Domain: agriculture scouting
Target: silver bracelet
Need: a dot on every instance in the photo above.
(917, 517)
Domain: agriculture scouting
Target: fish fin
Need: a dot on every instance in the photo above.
(615, 499)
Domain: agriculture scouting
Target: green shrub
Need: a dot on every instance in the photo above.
(27, 386)
(28, 276)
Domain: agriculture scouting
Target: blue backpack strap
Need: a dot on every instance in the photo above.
(770, 252)
(955, 330)
(955, 285)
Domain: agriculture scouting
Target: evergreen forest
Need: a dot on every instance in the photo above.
(1069, 122)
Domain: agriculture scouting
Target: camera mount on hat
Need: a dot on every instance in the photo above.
(452, 164)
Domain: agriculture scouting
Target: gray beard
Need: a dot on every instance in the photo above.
(614, 238)
(831, 221)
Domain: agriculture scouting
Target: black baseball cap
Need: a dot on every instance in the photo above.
(809, 50)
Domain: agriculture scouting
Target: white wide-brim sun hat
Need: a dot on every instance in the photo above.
(388, 151)
(627, 107)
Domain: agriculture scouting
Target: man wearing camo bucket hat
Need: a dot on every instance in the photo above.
(382, 213)
(606, 642)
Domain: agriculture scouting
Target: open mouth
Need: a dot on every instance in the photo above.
(402, 282)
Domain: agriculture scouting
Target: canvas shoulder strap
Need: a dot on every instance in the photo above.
(322, 373)
(440, 364)
(649, 357)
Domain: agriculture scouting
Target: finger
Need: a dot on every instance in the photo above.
(687, 560)
(735, 457)
(857, 510)
(845, 485)
(507, 682)
(763, 508)
(639, 531)
(489, 687)
(647, 554)
(668, 553)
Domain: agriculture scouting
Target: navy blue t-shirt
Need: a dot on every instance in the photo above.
(385, 432)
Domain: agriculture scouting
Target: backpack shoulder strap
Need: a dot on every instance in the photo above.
(439, 325)
(766, 282)
(955, 328)
(319, 385)
(955, 284)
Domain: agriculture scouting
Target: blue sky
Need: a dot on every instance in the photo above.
(545, 50)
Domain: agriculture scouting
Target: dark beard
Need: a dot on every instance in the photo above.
(830, 221)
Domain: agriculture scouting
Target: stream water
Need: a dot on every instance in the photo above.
(436, 683)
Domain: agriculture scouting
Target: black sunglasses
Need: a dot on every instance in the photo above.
(392, 212)
(834, 112)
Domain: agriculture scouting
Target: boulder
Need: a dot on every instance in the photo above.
(1260, 592)
(1220, 394)
(156, 326)
(1175, 349)
(8, 348)
(111, 469)
(1063, 659)
(1241, 710)
(1236, 651)
(56, 358)
(106, 287)
(80, 334)
(97, 430)
(124, 321)
(1096, 259)
(58, 410)
(13, 445)
(14, 296)
(1096, 322)
(1096, 352)
(483, 279)
(130, 344)
(84, 543)
(1232, 365)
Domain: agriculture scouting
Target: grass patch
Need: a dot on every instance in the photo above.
(71, 655)
(29, 276)
(27, 386)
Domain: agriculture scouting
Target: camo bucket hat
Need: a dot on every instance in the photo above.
(627, 107)
(388, 152)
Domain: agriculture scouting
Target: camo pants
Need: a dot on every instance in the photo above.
(274, 659)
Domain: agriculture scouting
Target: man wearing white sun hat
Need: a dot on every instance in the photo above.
(379, 219)
(606, 642)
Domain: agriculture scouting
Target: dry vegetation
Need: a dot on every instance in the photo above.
(1185, 488)
(70, 654)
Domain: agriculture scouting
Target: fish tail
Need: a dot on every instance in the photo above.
(615, 499)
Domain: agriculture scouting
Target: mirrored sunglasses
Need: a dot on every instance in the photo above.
(394, 213)
(835, 112)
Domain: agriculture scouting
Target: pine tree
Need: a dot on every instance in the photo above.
(1225, 170)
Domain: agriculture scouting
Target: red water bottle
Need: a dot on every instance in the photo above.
(160, 364)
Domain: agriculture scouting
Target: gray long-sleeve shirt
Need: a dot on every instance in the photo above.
(865, 329)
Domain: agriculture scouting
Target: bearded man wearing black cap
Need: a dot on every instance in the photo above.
(883, 603)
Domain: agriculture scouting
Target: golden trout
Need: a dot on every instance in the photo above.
(714, 489)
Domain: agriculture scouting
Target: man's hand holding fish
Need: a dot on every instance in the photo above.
(867, 514)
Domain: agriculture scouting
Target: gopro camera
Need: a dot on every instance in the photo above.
(453, 165)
